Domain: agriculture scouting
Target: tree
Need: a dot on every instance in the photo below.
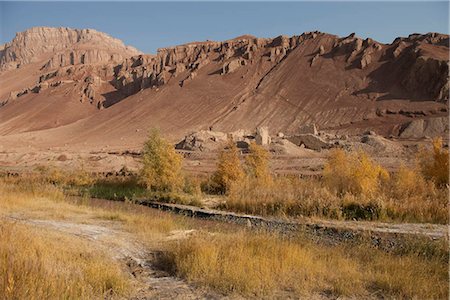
(354, 173)
(161, 164)
(435, 165)
(257, 164)
(229, 168)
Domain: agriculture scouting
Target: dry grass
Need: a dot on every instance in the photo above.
(266, 265)
(286, 196)
(40, 200)
(354, 187)
(47, 264)
(258, 265)
(230, 261)
(41, 264)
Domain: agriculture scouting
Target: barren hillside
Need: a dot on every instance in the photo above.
(61, 86)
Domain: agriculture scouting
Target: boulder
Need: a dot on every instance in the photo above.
(43, 86)
(12, 95)
(425, 127)
(262, 136)
(203, 140)
(379, 143)
(310, 141)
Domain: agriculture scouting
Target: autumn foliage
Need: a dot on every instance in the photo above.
(161, 164)
(229, 168)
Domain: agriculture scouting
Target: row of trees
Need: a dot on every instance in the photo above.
(162, 166)
(344, 172)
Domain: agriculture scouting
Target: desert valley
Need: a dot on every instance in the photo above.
(310, 166)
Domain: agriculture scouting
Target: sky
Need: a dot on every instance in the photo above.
(151, 25)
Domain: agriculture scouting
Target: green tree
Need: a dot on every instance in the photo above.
(161, 168)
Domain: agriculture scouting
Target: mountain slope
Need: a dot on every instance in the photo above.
(83, 96)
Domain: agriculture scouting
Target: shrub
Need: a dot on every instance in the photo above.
(354, 173)
(354, 210)
(117, 188)
(54, 175)
(407, 182)
(229, 168)
(161, 164)
(434, 164)
(257, 164)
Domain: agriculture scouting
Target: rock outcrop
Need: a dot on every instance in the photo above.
(72, 45)
(309, 141)
(204, 140)
(262, 136)
(425, 128)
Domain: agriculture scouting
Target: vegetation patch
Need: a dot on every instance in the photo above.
(267, 265)
(39, 264)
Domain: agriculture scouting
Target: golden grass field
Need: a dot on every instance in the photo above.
(43, 263)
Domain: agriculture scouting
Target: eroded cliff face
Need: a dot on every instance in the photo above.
(421, 73)
(282, 82)
(64, 45)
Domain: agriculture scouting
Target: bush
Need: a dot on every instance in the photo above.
(407, 182)
(161, 164)
(229, 168)
(353, 173)
(117, 188)
(434, 164)
(363, 211)
(53, 175)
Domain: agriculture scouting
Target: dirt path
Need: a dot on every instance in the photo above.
(142, 263)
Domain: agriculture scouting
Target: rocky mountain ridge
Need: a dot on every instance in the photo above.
(344, 84)
(67, 46)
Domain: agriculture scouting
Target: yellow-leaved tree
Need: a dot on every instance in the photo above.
(434, 165)
(354, 173)
(229, 168)
(161, 170)
(257, 164)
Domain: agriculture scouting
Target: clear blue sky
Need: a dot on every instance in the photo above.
(150, 25)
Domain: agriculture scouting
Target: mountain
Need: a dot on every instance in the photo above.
(82, 87)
